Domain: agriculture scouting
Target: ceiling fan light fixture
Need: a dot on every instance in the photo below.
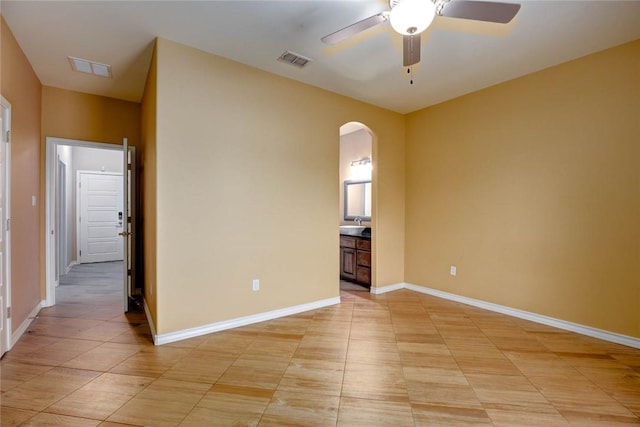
(410, 17)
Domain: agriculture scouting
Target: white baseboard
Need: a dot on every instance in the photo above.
(388, 288)
(537, 318)
(71, 264)
(15, 336)
(234, 323)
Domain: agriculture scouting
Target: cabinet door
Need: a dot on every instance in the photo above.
(363, 258)
(348, 263)
(363, 275)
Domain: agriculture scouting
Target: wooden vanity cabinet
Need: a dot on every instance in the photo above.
(355, 259)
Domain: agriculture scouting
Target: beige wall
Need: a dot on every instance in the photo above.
(353, 146)
(21, 87)
(148, 168)
(247, 188)
(532, 189)
(85, 117)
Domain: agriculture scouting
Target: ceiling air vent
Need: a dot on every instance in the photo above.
(294, 59)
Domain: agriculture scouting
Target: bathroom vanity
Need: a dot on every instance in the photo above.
(355, 257)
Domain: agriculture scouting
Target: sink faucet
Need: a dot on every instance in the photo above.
(358, 220)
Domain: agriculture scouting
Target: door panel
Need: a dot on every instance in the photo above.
(101, 217)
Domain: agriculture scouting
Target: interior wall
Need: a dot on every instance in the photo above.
(97, 159)
(85, 117)
(21, 87)
(148, 203)
(353, 146)
(532, 189)
(246, 191)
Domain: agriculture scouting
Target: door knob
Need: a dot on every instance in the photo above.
(124, 234)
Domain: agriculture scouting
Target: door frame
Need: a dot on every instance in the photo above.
(52, 144)
(6, 120)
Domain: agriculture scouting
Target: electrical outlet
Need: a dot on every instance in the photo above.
(256, 284)
(453, 271)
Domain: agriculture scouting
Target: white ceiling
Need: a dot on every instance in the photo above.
(458, 56)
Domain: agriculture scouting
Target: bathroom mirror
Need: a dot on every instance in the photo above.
(357, 200)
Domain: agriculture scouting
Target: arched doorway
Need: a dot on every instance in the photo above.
(356, 207)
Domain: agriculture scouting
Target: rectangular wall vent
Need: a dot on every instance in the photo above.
(294, 59)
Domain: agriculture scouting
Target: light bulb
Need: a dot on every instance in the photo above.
(411, 17)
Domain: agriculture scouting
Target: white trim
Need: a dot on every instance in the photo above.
(70, 266)
(533, 317)
(26, 323)
(240, 321)
(6, 181)
(388, 288)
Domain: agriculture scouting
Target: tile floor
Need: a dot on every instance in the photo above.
(398, 359)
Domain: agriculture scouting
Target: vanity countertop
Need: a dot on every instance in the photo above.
(364, 233)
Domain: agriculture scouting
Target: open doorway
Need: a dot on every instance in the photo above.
(355, 207)
(87, 217)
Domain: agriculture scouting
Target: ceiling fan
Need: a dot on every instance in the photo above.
(412, 17)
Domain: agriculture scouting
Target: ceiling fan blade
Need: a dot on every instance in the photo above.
(353, 29)
(410, 50)
(487, 11)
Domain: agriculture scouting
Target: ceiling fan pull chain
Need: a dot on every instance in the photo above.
(410, 71)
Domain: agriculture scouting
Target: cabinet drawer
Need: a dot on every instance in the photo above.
(363, 244)
(363, 259)
(347, 242)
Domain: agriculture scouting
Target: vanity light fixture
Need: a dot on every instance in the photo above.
(361, 169)
(361, 162)
(90, 67)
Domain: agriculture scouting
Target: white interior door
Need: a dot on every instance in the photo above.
(5, 263)
(101, 216)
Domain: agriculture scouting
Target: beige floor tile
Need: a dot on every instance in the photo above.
(103, 357)
(13, 373)
(199, 366)
(378, 382)
(44, 419)
(229, 406)
(453, 416)
(56, 353)
(327, 348)
(369, 413)
(300, 409)
(11, 417)
(254, 374)
(480, 365)
(520, 418)
(430, 376)
(373, 352)
(112, 424)
(226, 344)
(151, 362)
(314, 376)
(163, 403)
(43, 390)
(458, 396)
(594, 419)
(101, 397)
